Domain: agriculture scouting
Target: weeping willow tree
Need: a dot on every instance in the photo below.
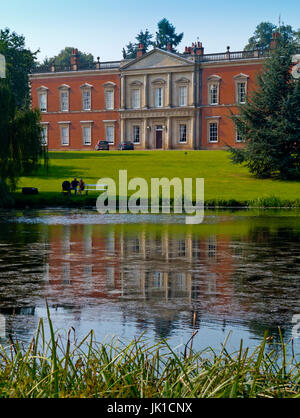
(21, 150)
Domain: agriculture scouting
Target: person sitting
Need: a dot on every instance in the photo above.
(81, 186)
(74, 185)
(66, 185)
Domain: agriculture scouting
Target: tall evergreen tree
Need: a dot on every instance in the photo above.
(269, 122)
(166, 34)
(144, 38)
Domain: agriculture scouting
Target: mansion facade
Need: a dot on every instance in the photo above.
(159, 100)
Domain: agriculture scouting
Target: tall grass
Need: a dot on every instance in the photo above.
(71, 369)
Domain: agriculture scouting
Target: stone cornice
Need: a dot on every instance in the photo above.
(159, 113)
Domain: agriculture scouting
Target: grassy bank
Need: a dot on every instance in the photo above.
(52, 199)
(65, 368)
(225, 184)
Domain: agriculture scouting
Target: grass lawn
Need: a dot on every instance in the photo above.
(223, 180)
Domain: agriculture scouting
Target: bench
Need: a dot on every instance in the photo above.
(95, 187)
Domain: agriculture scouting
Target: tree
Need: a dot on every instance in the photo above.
(269, 122)
(263, 35)
(166, 35)
(142, 38)
(19, 63)
(130, 51)
(20, 138)
(64, 57)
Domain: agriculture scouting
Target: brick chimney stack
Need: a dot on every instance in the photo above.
(169, 46)
(141, 50)
(195, 49)
(275, 39)
(75, 59)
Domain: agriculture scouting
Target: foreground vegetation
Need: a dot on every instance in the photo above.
(136, 370)
(225, 184)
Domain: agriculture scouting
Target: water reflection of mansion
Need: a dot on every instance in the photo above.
(144, 265)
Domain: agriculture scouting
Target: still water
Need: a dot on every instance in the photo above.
(127, 275)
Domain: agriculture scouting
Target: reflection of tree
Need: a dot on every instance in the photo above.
(24, 256)
(266, 278)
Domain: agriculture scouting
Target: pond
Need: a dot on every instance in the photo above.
(151, 275)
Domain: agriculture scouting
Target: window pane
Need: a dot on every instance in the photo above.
(238, 136)
(65, 135)
(213, 91)
(86, 95)
(136, 99)
(43, 102)
(87, 135)
(241, 92)
(136, 134)
(213, 132)
(182, 135)
(182, 96)
(110, 134)
(64, 102)
(109, 99)
(158, 97)
(44, 139)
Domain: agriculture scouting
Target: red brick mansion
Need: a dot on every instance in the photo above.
(159, 100)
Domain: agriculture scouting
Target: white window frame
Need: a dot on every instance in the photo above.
(159, 97)
(213, 94)
(184, 126)
(86, 88)
(43, 92)
(238, 138)
(84, 127)
(210, 123)
(241, 79)
(109, 99)
(241, 92)
(182, 98)
(136, 98)
(107, 127)
(44, 137)
(64, 105)
(213, 89)
(136, 128)
(64, 90)
(62, 128)
(86, 99)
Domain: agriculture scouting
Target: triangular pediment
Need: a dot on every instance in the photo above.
(157, 58)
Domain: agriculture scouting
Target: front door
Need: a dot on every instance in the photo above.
(159, 132)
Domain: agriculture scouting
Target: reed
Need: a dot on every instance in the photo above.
(65, 368)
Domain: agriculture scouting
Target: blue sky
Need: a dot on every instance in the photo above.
(104, 27)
